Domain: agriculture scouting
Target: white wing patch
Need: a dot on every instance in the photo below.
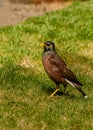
(70, 83)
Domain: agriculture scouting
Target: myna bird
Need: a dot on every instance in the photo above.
(57, 69)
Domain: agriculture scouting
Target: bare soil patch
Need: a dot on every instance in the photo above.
(14, 13)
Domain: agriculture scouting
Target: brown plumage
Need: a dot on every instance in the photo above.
(57, 69)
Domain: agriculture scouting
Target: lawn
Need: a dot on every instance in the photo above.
(25, 87)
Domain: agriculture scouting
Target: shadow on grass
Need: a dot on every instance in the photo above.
(18, 77)
(15, 76)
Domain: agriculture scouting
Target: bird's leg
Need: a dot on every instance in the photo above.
(57, 89)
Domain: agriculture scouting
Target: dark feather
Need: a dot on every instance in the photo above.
(61, 66)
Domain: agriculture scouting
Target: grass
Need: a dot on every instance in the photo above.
(24, 86)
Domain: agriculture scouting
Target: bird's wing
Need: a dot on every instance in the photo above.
(69, 75)
(61, 66)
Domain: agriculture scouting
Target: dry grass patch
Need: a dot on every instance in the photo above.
(88, 51)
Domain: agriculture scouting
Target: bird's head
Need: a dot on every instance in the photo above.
(49, 46)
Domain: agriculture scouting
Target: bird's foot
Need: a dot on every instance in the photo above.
(54, 92)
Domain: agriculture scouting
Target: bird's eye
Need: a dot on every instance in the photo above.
(48, 44)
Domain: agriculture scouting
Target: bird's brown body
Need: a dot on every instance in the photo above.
(57, 69)
(54, 73)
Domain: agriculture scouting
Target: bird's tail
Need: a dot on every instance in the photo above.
(77, 87)
(80, 90)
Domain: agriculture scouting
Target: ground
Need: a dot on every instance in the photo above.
(14, 13)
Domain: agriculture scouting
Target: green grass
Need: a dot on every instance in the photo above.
(24, 86)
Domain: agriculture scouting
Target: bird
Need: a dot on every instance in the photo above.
(57, 69)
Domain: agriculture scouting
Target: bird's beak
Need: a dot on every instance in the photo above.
(42, 44)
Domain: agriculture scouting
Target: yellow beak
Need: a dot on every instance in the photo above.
(42, 44)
